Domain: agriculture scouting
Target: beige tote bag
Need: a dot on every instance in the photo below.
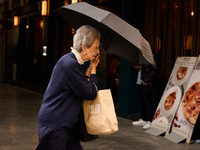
(99, 114)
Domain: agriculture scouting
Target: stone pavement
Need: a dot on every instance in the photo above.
(18, 127)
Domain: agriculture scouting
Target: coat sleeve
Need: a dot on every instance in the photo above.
(78, 83)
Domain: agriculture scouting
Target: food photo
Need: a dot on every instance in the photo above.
(181, 74)
(170, 101)
(189, 109)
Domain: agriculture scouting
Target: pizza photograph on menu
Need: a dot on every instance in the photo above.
(156, 115)
(181, 72)
(187, 114)
(191, 103)
(170, 101)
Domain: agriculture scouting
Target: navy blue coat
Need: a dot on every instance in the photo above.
(63, 97)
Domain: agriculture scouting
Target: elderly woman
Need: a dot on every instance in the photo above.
(67, 88)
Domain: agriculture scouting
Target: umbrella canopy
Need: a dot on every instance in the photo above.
(117, 36)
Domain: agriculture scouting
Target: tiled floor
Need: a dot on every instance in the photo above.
(18, 127)
(18, 118)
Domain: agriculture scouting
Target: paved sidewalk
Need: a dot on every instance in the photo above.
(18, 127)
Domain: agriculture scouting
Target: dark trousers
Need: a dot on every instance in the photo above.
(145, 100)
(51, 139)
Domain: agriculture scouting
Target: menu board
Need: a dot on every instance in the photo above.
(172, 95)
(188, 111)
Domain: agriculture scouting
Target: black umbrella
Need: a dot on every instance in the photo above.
(117, 36)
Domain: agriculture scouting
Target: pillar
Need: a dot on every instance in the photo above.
(133, 12)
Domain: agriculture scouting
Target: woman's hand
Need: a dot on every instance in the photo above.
(137, 67)
(94, 64)
(144, 83)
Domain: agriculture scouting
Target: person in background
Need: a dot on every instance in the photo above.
(67, 88)
(146, 80)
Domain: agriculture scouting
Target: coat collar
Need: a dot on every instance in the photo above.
(77, 55)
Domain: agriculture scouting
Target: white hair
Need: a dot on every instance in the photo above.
(85, 34)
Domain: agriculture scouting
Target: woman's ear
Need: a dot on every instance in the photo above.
(83, 46)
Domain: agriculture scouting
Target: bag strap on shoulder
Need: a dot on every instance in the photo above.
(95, 86)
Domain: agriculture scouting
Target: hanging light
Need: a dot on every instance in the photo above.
(73, 31)
(41, 24)
(65, 2)
(44, 51)
(44, 8)
(192, 13)
(16, 20)
(74, 1)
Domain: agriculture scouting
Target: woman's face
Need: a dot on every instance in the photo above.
(93, 50)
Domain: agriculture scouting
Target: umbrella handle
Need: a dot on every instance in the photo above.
(101, 44)
(104, 38)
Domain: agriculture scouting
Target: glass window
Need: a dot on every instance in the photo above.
(198, 40)
(161, 33)
(174, 30)
(189, 23)
(156, 30)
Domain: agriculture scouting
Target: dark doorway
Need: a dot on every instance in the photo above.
(113, 77)
(30, 53)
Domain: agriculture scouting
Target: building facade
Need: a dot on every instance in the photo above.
(30, 48)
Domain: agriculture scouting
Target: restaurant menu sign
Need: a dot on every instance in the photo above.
(189, 108)
(172, 95)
